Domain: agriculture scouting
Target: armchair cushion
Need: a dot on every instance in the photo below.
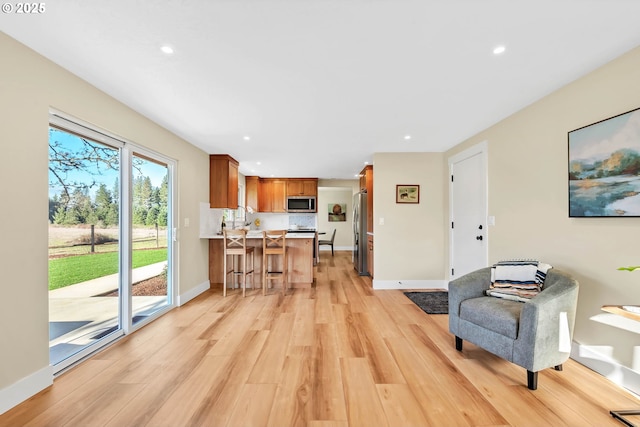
(496, 314)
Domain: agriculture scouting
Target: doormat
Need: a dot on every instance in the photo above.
(436, 302)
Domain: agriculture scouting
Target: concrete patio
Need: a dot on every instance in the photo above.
(80, 315)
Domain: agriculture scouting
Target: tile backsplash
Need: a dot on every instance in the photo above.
(306, 221)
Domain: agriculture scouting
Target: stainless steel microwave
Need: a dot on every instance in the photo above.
(301, 204)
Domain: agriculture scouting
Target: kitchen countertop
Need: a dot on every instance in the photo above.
(257, 234)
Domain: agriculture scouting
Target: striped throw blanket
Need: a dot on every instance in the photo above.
(517, 280)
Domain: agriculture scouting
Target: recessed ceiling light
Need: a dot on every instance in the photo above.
(366, 163)
(499, 50)
(246, 137)
(258, 163)
(167, 49)
(407, 137)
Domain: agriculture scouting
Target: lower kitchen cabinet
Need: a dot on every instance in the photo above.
(370, 254)
(299, 265)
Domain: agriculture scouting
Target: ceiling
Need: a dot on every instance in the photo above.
(318, 86)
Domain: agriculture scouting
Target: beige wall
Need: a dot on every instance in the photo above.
(528, 195)
(409, 246)
(29, 86)
(344, 230)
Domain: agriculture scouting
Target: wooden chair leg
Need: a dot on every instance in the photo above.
(224, 280)
(284, 274)
(244, 275)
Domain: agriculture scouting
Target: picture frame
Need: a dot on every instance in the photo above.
(337, 212)
(604, 167)
(407, 193)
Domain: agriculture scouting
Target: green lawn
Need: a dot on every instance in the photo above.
(75, 269)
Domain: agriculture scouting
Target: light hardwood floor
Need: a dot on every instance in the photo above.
(338, 354)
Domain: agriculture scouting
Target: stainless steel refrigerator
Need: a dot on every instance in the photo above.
(360, 233)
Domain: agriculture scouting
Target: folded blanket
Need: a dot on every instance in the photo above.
(517, 280)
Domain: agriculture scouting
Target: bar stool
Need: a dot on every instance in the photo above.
(235, 244)
(274, 243)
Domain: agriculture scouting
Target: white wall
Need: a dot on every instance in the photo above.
(30, 85)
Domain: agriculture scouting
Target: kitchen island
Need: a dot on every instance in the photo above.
(299, 256)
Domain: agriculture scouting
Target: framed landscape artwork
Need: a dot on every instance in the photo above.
(604, 168)
(407, 194)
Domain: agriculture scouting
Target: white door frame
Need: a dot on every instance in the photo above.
(480, 148)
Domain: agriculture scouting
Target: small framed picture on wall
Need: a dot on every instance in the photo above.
(408, 194)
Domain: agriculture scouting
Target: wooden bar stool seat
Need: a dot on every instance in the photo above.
(235, 245)
(274, 244)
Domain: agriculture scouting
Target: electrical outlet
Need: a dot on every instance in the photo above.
(381, 221)
(186, 222)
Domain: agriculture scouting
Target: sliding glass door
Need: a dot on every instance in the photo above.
(151, 222)
(110, 245)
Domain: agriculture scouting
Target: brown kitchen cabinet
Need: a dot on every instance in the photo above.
(302, 187)
(251, 185)
(366, 184)
(370, 254)
(299, 261)
(271, 195)
(223, 181)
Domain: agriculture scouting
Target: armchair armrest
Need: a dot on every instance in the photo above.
(538, 343)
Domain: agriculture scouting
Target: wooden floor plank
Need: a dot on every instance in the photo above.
(338, 354)
(253, 405)
(400, 405)
(364, 408)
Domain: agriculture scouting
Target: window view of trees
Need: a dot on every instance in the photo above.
(96, 202)
(84, 207)
(80, 207)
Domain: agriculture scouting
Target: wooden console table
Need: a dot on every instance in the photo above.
(619, 311)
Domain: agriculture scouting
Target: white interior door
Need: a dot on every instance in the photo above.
(468, 211)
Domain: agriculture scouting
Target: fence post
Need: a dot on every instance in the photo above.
(157, 237)
(93, 236)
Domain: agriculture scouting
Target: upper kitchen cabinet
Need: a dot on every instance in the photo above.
(302, 187)
(251, 192)
(272, 195)
(366, 184)
(366, 179)
(223, 181)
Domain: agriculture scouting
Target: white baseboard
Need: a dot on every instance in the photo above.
(25, 388)
(606, 366)
(410, 284)
(192, 293)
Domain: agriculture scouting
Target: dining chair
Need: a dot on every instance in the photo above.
(328, 242)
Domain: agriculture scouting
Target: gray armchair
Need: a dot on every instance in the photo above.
(533, 334)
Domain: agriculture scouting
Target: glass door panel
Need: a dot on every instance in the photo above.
(151, 220)
(84, 245)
